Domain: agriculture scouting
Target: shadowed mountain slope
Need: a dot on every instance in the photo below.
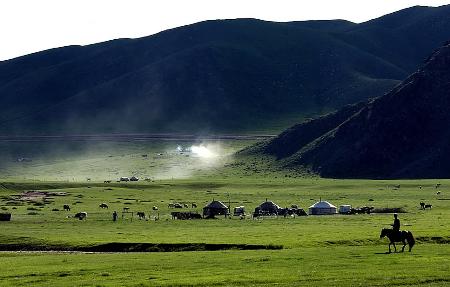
(403, 134)
(219, 76)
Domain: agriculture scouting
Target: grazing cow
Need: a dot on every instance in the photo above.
(193, 205)
(155, 207)
(438, 192)
(186, 206)
(428, 206)
(170, 205)
(107, 181)
(66, 207)
(141, 214)
(103, 205)
(81, 215)
(126, 209)
(422, 205)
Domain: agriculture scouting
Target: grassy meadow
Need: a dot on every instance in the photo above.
(337, 250)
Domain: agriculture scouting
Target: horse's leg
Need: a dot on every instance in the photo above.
(404, 244)
(390, 247)
(395, 247)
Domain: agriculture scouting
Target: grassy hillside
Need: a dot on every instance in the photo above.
(240, 75)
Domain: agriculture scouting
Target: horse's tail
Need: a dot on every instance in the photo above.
(411, 240)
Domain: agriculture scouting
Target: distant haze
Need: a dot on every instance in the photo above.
(29, 26)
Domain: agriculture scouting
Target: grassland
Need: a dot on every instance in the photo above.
(317, 250)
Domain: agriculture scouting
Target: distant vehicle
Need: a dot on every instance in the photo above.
(124, 178)
(133, 178)
(345, 209)
(239, 210)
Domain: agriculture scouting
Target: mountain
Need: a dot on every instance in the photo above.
(403, 134)
(216, 76)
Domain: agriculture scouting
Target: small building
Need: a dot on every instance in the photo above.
(268, 208)
(322, 208)
(214, 208)
(345, 209)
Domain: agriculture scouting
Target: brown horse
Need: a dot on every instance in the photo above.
(402, 236)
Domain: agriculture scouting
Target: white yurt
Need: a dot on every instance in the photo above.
(322, 207)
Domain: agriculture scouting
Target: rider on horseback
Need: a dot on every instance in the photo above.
(396, 224)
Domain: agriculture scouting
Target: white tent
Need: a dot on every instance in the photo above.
(322, 207)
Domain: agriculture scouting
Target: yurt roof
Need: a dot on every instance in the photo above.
(269, 204)
(322, 204)
(216, 204)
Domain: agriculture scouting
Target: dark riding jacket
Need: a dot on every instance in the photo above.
(396, 225)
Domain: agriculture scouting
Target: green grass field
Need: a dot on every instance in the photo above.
(337, 250)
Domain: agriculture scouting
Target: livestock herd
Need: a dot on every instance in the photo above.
(238, 211)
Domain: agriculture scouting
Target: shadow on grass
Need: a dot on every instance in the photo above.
(138, 247)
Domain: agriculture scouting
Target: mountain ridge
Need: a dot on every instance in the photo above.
(225, 75)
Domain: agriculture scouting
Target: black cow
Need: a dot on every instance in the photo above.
(81, 215)
(103, 205)
(141, 214)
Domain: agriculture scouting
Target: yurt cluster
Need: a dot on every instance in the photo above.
(269, 208)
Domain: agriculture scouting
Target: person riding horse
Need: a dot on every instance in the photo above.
(395, 235)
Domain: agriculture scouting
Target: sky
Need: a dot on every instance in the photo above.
(28, 26)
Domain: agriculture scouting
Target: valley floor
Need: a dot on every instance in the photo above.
(336, 250)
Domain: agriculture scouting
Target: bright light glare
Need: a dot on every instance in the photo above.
(202, 151)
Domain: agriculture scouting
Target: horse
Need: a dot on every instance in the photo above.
(402, 236)
(66, 207)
